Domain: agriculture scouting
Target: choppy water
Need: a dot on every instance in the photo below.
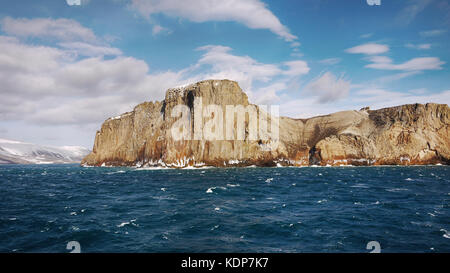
(405, 209)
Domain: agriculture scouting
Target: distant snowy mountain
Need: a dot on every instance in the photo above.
(16, 152)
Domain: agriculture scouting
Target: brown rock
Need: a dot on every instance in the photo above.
(407, 134)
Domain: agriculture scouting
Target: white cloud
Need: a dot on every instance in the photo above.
(416, 64)
(432, 33)
(219, 63)
(386, 63)
(330, 61)
(251, 13)
(296, 68)
(244, 69)
(396, 77)
(20, 58)
(157, 29)
(68, 34)
(60, 29)
(45, 84)
(380, 59)
(368, 49)
(75, 84)
(268, 95)
(328, 88)
(418, 46)
(85, 49)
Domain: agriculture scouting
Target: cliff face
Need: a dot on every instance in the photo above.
(408, 134)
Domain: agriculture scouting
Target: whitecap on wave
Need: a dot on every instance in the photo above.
(210, 190)
(397, 189)
(446, 233)
(127, 223)
(151, 168)
(360, 185)
(215, 227)
(115, 172)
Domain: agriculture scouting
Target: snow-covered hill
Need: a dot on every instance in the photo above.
(16, 152)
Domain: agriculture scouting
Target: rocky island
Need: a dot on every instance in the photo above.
(413, 134)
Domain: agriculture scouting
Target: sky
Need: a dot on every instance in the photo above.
(68, 65)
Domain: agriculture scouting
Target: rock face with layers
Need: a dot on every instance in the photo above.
(407, 134)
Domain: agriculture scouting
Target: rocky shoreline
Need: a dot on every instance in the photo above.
(413, 134)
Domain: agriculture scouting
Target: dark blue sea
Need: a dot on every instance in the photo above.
(322, 209)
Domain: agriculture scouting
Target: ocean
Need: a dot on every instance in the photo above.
(308, 209)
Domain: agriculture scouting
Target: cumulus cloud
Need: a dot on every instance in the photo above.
(71, 82)
(74, 83)
(218, 62)
(44, 84)
(328, 88)
(368, 49)
(251, 13)
(81, 82)
(222, 64)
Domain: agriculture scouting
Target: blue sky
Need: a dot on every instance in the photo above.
(66, 68)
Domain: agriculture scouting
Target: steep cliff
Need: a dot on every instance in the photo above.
(408, 134)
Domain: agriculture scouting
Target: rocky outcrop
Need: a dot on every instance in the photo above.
(407, 134)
